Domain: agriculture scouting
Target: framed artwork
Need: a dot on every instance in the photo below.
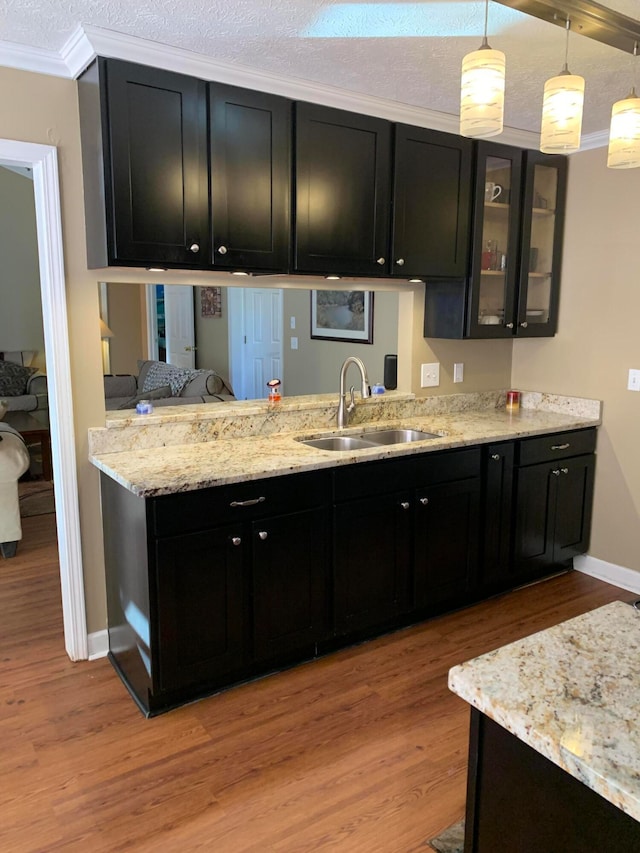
(211, 301)
(342, 315)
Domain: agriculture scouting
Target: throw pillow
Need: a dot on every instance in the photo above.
(205, 382)
(13, 378)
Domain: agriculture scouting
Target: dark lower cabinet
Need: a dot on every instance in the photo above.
(371, 560)
(496, 570)
(201, 607)
(289, 558)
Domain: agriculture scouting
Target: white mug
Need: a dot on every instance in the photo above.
(491, 191)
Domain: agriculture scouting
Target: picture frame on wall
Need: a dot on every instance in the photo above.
(211, 301)
(342, 315)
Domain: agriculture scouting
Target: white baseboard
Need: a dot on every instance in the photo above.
(620, 576)
(98, 644)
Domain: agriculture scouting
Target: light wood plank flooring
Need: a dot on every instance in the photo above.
(364, 751)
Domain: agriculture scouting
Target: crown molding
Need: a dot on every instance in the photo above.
(599, 139)
(34, 59)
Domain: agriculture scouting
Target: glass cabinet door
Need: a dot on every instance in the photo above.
(541, 244)
(496, 217)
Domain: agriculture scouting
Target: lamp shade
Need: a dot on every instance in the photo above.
(105, 331)
(482, 93)
(562, 114)
(624, 135)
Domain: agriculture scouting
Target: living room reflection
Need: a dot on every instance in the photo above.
(237, 338)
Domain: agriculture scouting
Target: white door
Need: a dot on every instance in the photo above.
(255, 340)
(179, 327)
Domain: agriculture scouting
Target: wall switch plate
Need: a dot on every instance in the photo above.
(458, 372)
(292, 322)
(294, 343)
(634, 380)
(430, 375)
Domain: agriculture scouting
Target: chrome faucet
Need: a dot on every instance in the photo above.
(343, 410)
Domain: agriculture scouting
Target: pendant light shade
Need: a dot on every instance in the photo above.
(562, 114)
(562, 109)
(482, 93)
(482, 89)
(624, 136)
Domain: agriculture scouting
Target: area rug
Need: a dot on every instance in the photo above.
(36, 498)
(451, 840)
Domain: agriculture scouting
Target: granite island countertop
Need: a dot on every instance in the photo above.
(572, 693)
(176, 453)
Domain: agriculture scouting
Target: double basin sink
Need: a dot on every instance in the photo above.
(369, 439)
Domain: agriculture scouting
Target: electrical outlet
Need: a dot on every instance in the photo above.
(634, 380)
(294, 343)
(430, 375)
(458, 372)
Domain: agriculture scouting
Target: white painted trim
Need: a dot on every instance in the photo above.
(36, 59)
(43, 159)
(608, 572)
(98, 643)
(600, 139)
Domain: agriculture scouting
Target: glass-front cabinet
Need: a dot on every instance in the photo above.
(517, 243)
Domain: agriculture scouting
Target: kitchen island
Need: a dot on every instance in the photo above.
(554, 760)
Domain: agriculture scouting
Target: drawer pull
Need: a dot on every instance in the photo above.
(251, 502)
(405, 504)
(565, 470)
(495, 456)
(560, 446)
(556, 473)
(424, 501)
(262, 534)
(236, 540)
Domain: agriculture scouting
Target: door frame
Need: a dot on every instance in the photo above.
(43, 160)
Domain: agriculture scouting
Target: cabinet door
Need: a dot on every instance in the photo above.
(446, 542)
(533, 536)
(250, 165)
(431, 203)
(573, 507)
(157, 203)
(496, 227)
(541, 249)
(342, 193)
(290, 607)
(371, 559)
(497, 515)
(200, 605)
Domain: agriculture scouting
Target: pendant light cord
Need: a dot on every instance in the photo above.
(485, 43)
(565, 70)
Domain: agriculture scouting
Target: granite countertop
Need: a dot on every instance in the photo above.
(572, 693)
(184, 455)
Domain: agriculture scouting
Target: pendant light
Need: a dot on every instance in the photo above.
(482, 89)
(624, 135)
(562, 109)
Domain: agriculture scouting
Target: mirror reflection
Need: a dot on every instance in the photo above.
(238, 338)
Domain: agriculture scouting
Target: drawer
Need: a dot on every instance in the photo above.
(446, 467)
(367, 479)
(206, 508)
(559, 445)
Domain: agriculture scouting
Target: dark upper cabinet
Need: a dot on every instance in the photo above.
(516, 246)
(342, 192)
(431, 203)
(144, 142)
(250, 135)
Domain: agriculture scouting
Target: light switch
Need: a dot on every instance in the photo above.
(458, 372)
(292, 322)
(634, 380)
(294, 343)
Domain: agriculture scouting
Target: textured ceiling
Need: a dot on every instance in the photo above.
(408, 52)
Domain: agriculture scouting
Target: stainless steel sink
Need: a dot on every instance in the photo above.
(367, 440)
(338, 442)
(397, 436)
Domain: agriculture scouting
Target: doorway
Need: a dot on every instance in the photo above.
(255, 340)
(42, 159)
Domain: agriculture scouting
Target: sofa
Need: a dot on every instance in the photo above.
(14, 461)
(22, 388)
(165, 385)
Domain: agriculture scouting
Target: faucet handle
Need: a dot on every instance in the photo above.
(352, 403)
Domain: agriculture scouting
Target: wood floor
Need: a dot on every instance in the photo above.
(362, 752)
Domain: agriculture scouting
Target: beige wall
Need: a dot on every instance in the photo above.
(212, 337)
(127, 320)
(598, 340)
(43, 109)
(21, 315)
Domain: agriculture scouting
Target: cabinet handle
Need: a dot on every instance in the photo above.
(380, 261)
(236, 540)
(556, 472)
(508, 325)
(405, 504)
(195, 248)
(495, 456)
(424, 501)
(251, 502)
(262, 534)
(222, 250)
(565, 470)
(400, 262)
(524, 324)
(560, 446)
